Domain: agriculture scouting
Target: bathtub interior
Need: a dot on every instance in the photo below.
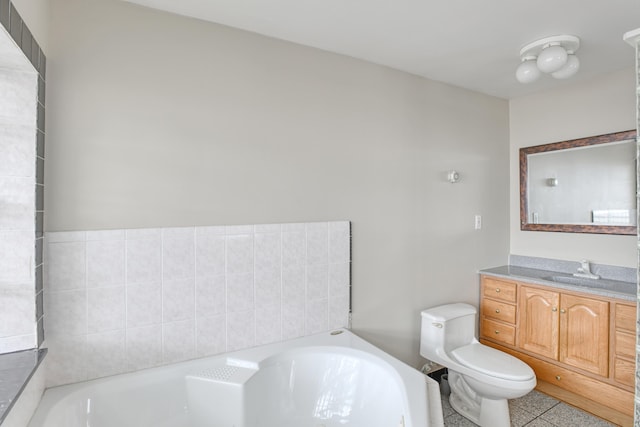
(327, 388)
(148, 401)
(287, 386)
(307, 387)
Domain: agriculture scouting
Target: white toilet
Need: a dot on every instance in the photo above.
(481, 378)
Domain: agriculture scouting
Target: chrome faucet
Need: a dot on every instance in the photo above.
(584, 271)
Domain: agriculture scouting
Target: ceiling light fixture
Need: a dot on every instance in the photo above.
(551, 55)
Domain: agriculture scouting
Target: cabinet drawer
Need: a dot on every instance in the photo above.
(499, 310)
(499, 331)
(625, 344)
(626, 317)
(498, 289)
(624, 372)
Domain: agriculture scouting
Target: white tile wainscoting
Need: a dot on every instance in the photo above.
(122, 300)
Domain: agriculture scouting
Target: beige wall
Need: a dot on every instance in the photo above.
(158, 120)
(602, 105)
(36, 13)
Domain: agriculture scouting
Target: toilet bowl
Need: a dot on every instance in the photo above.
(481, 378)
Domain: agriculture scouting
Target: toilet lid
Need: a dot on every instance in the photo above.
(492, 362)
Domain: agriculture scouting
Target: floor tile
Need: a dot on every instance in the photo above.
(538, 422)
(533, 410)
(520, 417)
(564, 415)
(457, 420)
(446, 407)
(535, 403)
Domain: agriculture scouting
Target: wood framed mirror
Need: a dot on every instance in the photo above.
(585, 185)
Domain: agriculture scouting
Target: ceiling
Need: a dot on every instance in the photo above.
(469, 43)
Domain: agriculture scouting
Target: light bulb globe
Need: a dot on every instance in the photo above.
(570, 68)
(527, 71)
(552, 58)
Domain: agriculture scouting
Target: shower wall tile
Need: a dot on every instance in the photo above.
(22, 107)
(178, 341)
(268, 256)
(339, 279)
(156, 296)
(339, 311)
(268, 288)
(17, 156)
(66, 359)
(105, 262)
(143, 347)
(267, 228)
(317, 316)
(241, 330)
(178, 253)
(239, 254)
(105, 309)
(178, 300)
(16, 262)
(293, 318)
(317, 282)
(211, 335)
(105, 354)
(293, 283)
(66, 312)
(66, 263)
(294, 251)
(143, 259)
(18, 203)
(210, 253)
(143, 304)
(20, 91)
(16, 315)
(317, 243)
(240, 292)
(211, 296)
(268, 324)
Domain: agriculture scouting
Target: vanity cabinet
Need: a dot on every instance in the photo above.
(498, 304)
(624, 344)
(569, 328)
(580, 345)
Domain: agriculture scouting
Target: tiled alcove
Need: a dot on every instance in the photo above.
(123, 300)
(22, 122)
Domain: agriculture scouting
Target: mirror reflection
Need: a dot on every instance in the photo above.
(586, 185)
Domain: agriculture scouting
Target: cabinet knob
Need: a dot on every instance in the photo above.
(562, 310)
(554, 309)
(558, 377)
(497, 289)
(497, 310)
(497, 332)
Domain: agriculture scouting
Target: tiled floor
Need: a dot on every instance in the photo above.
(533, 410)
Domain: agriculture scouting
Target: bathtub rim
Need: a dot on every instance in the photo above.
(413, 383)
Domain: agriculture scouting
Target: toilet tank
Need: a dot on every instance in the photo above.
(447, 326)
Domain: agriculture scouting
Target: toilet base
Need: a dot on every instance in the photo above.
(481, 410)
(489, 413)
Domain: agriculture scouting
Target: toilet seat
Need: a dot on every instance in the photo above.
(492, 362)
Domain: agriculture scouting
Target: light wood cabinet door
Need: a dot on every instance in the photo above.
(584, 333)
(538, 321)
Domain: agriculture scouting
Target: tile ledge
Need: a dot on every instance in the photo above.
(31, 360)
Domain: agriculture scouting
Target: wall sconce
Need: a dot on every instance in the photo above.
(551, 55)
(552, 182)
(453, 176)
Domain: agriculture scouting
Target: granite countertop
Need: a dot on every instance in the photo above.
(603, 286)
(15, 371)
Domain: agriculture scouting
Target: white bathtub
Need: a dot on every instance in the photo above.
(323, 380)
